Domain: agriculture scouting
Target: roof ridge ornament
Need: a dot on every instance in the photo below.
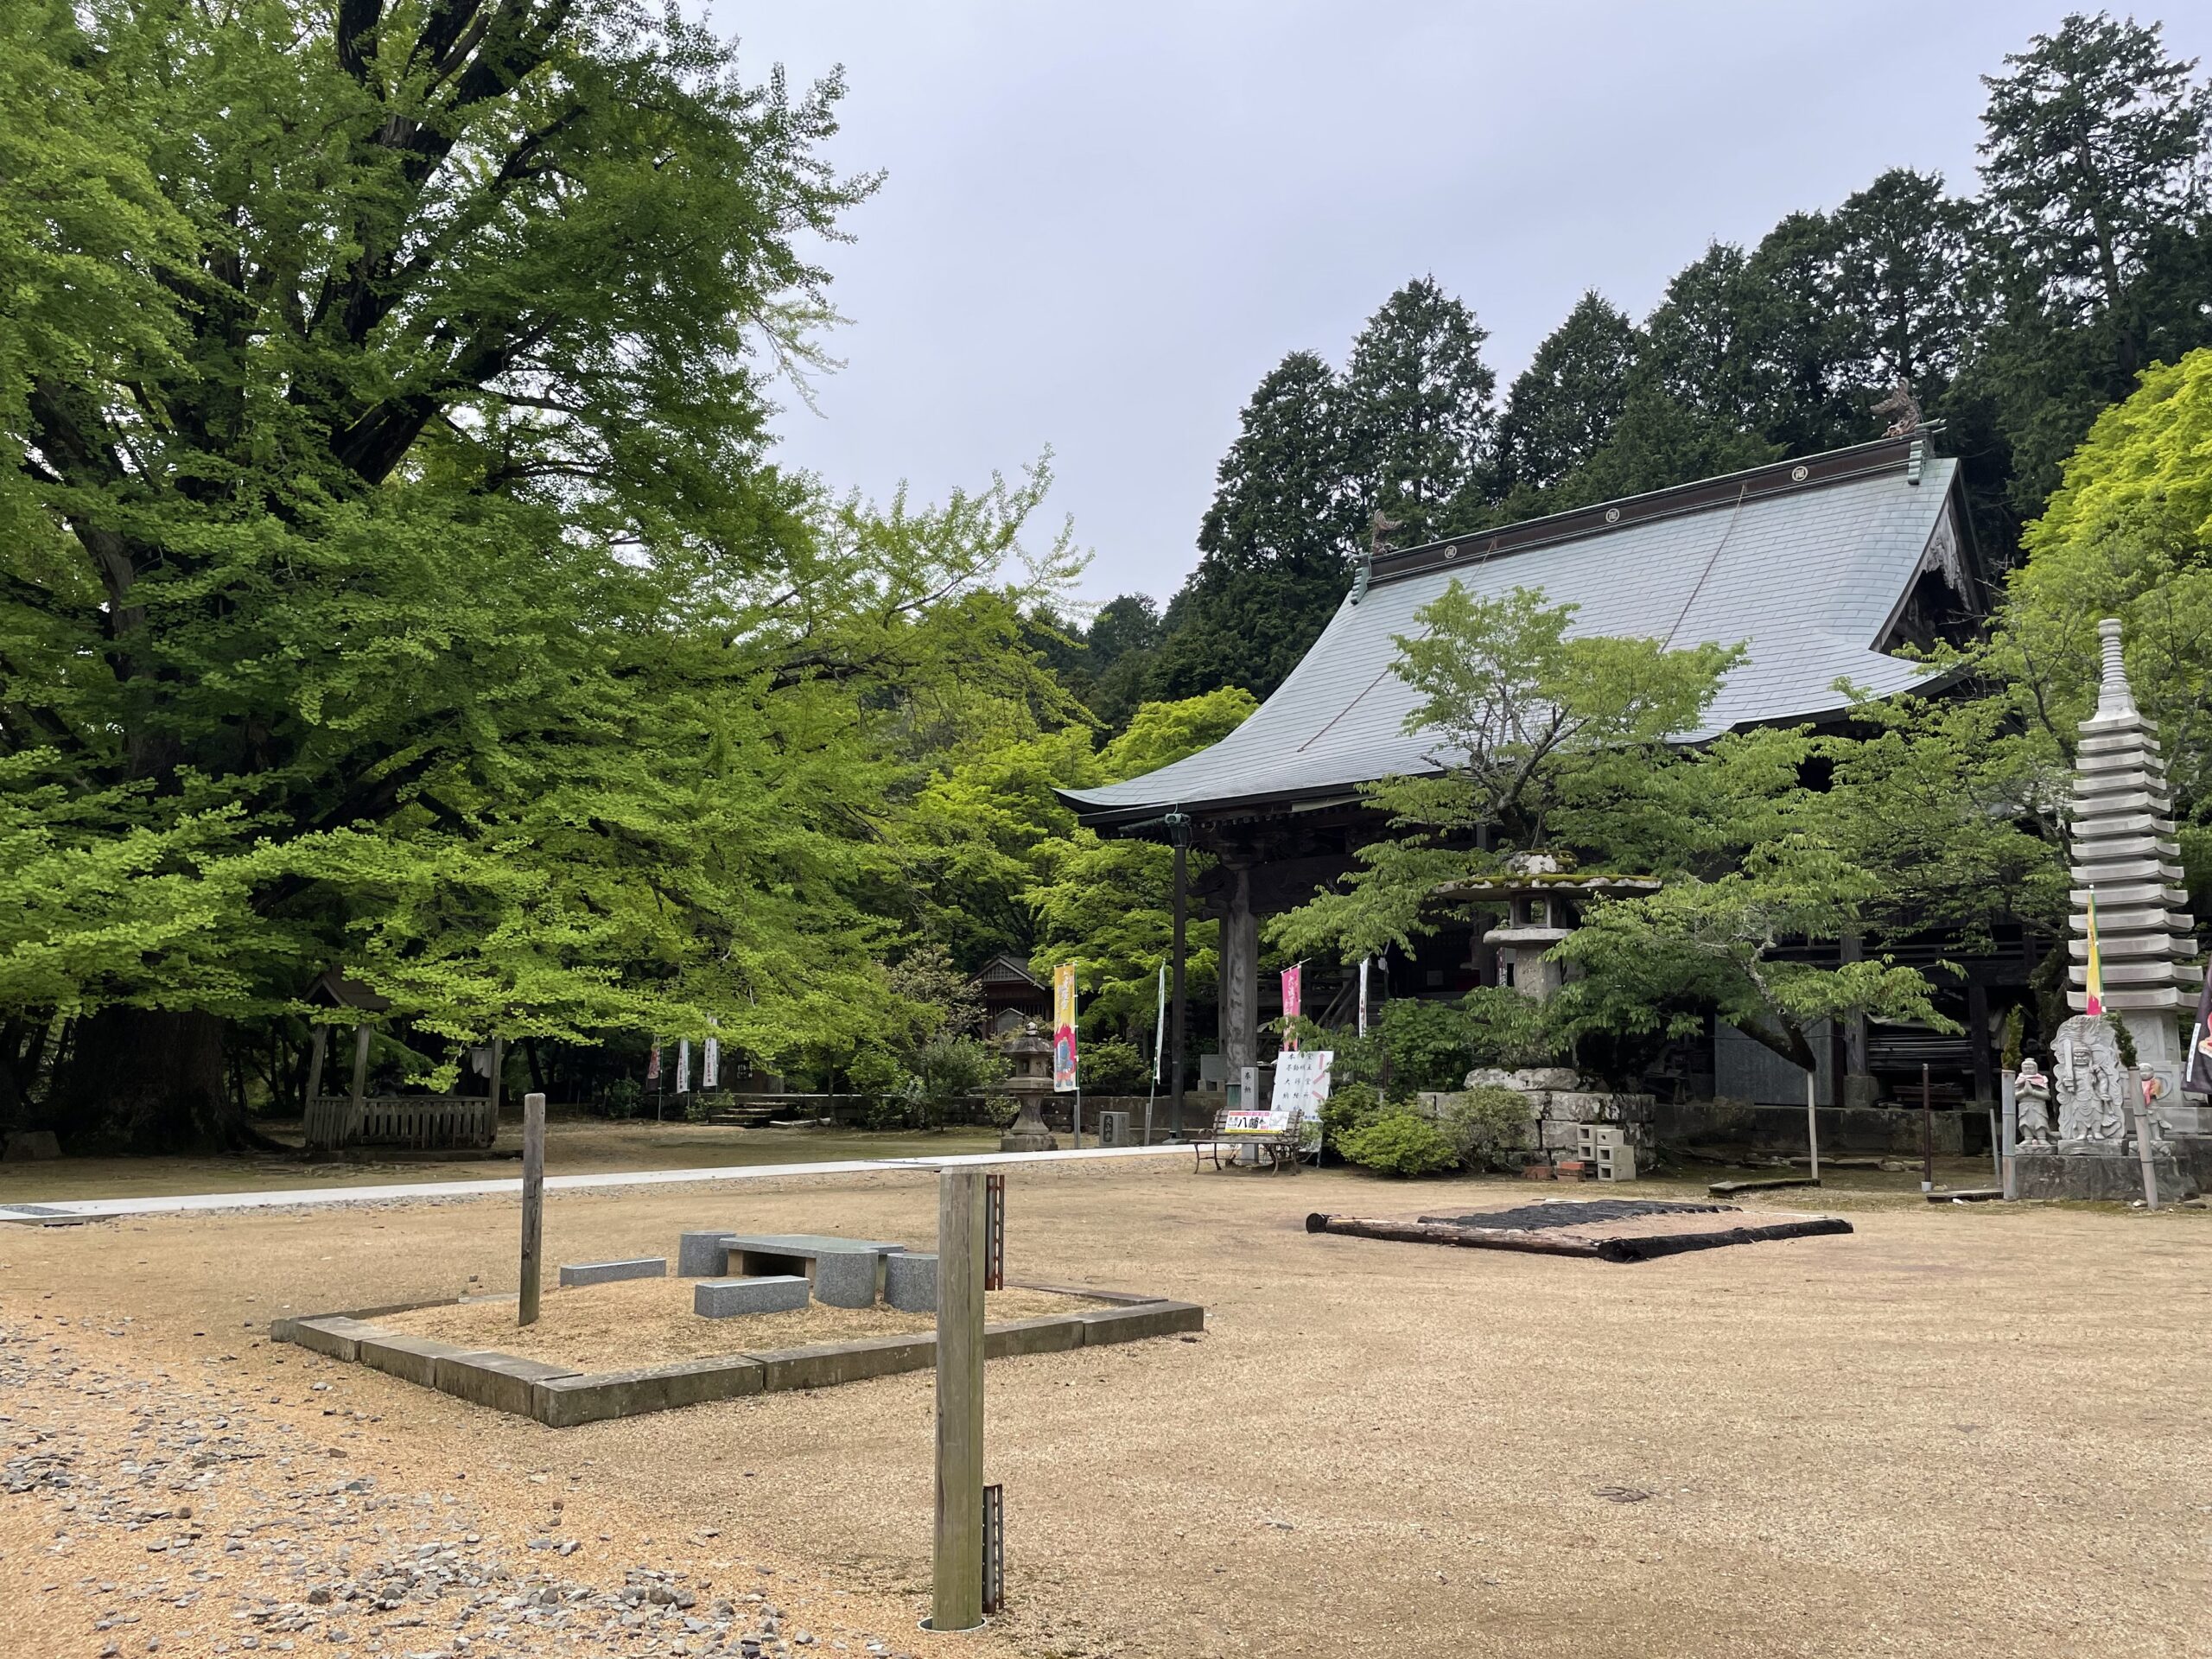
(1377, 527)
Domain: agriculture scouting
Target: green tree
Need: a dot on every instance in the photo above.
(2097, 253)
(2127, 534)
(1276, 546)
(1564, 405)
(1418, 416)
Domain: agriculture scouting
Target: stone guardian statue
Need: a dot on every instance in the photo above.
(2091, 1084)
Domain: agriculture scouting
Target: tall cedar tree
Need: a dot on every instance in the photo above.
(1565, 404)
(1275, 548)
(1419, 422)
(2098, 251)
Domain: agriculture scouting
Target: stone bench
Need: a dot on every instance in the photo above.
(601, 1273)
(730, 1299)
(844, 1272)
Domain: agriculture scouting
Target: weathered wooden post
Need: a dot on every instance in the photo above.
(1927, 1132)
(533, 1203)
(499, 1066)
(2144, 1151)
(1813, 1120)
(360, 1079)
(314, 1065)
(957, 1599)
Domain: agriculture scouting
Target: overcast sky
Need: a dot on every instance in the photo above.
(1103, 224)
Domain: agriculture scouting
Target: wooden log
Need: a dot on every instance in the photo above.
(360, 1075)
(957, 1574)
(314, 1063)
(533, 1205)
(1724, 1189)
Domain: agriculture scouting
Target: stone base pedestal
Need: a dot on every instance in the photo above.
(1027, 1132)
(1861, 1093)
(2108, 1176)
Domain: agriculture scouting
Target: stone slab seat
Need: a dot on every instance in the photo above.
(730, 1299)
(602, 1272)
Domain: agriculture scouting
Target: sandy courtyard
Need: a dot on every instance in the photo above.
(1960, 1430)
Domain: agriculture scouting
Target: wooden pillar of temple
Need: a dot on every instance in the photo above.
(1239, 1001)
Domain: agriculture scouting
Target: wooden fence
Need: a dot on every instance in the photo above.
(416, 1122)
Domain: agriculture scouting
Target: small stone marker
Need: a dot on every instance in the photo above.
(846, 1278)
(910, 1282)
(730, 1299)
(702, 1256)
(601, 1273)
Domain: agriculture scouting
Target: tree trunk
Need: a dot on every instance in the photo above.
(143, 1080)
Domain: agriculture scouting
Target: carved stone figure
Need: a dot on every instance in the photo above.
(2092, 1083)
(1902, 403)
(2031, 1096)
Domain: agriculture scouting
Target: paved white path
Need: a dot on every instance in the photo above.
(61, 1210)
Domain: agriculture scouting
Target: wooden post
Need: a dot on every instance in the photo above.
(1813, 1120)
(956, 1598)
(1927, 1132)
(360, 1085)
(314, 1063)
(2009, 1119)
(2142, 1149)
(533, 1203)
(1180, 832)
(499, 1069)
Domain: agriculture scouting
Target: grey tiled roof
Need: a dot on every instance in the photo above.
(1807, 578)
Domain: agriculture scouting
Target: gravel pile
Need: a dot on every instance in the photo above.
(182, 1518)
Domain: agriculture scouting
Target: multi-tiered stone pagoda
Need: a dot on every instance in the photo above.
(2111, 1141)
(2125, 855)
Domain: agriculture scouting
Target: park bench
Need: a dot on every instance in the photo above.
(1278, 1149)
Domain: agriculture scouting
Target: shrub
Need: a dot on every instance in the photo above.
(624, 1097)
(950, 1070)
(1400, 1142)
(1112, 1067)
(1350, 1107)
(1428, 1043)
(1488, 1125)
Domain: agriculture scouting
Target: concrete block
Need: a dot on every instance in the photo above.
(831, 1363)
(503, 1381)
(730, 1299)
(563, 1402)
(1055, 1333)
(333, 1334)
(848, 1278)
(910, 1282)
(601, 1273)
(702, 1256)
(1145, 1320)
(30, 1146)
(414, 1359)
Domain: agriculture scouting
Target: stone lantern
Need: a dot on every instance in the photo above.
(1030, 1051)
(1542, 903)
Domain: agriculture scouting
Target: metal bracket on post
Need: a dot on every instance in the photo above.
(993, 1548)
(994, 1232)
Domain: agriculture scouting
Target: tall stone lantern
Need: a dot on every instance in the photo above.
(1031, 1051)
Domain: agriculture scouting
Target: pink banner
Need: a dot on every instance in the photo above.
(1291, 977)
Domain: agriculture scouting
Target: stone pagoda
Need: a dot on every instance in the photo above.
(2121, 835)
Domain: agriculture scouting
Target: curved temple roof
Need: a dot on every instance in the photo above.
(1808, 564)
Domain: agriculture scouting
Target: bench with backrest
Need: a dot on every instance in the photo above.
(1278, 1149)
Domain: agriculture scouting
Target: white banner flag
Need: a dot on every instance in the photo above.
(683, 1066)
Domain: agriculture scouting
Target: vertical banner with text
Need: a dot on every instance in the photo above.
(1292, 978)
(1063, 1028)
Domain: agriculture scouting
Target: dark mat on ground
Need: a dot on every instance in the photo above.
(1576, 1213)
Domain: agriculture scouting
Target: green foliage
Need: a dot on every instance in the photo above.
(1350, 1107)
(1430, 1044)
(2123, 1037)
(951, 1070)
(1507, 1030)
(1488, 1126)
(625, 1097)
(1110, 1066)
(1400, 1142)
(2014, 1046)
(1565, 404)
(1417, 413)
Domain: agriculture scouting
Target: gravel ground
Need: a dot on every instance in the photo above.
(1961, 1430)
(650, 1322)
